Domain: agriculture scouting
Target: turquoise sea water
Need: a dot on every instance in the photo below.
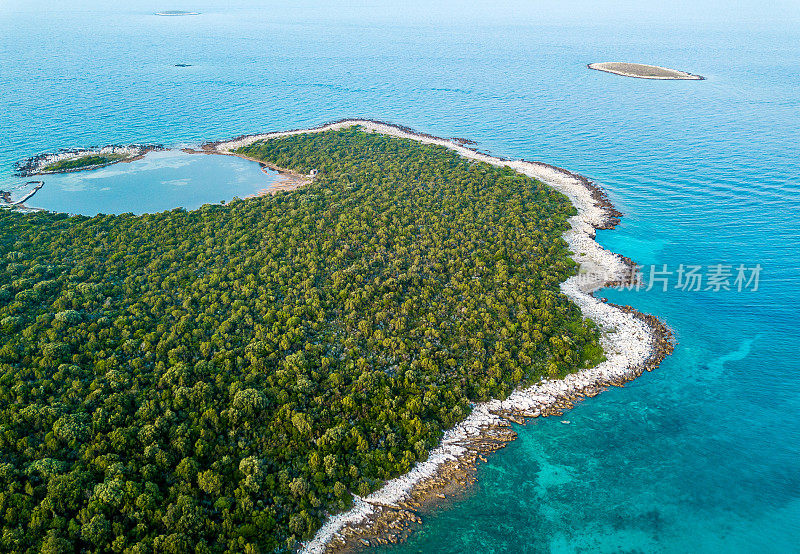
(702, 455)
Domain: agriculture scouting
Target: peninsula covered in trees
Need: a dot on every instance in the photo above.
(222, 379)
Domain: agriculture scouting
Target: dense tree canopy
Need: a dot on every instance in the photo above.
(219, 380)
(89, 160)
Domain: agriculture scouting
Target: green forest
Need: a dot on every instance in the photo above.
(219, 380)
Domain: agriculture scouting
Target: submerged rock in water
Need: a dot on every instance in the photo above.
(176, 13)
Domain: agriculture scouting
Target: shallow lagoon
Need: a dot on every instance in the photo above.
(159, 181)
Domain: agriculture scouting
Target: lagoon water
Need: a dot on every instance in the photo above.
(702, 455)
(159, 181)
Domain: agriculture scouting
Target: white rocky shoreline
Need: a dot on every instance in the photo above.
(632, 342)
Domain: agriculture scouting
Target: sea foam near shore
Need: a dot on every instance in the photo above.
(632, 342)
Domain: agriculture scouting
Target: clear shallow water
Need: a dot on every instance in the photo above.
(159, 181)
(702, 455)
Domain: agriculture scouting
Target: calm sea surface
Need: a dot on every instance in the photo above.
(702, 455)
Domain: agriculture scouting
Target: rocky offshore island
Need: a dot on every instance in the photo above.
(644, 71)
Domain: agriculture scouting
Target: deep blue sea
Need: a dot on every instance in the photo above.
(703, 454)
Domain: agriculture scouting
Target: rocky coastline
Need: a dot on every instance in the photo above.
(633, 342)
(25, 192)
